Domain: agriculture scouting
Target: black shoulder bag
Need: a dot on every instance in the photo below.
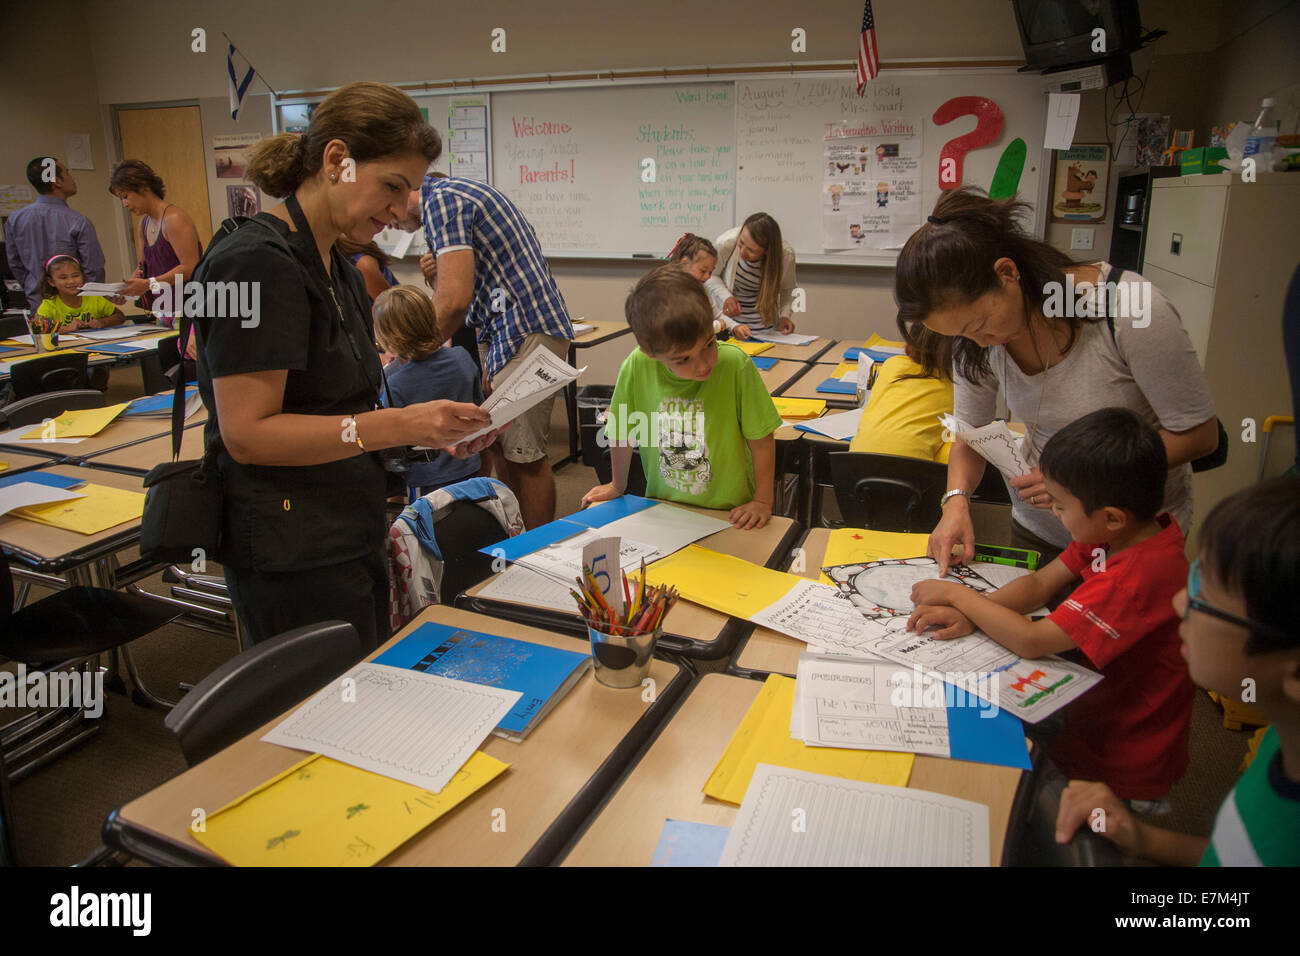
(183, 499)
(1220, 454)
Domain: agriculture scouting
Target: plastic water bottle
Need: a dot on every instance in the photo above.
(1263, 137)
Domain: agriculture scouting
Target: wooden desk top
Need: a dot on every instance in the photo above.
(18, 461)
(689, 629)
(805, 386)
(568, 762)
(668, 781)
(602, 332)
(780, 374)
(801, 353)
(51, 549)
(142, 456)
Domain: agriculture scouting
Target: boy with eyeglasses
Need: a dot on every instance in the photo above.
(1240, 638)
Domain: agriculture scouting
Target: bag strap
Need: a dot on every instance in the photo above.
(1112, 285)
(186, 326)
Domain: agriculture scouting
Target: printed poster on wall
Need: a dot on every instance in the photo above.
(871, 185)
(231, 153)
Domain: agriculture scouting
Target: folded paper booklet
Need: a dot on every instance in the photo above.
(752, 348)
(995, 442)
(540, 375)
(82, 423)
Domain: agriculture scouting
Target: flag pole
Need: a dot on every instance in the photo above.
(256, 72)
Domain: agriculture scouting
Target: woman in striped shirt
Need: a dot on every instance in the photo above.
(754, 276)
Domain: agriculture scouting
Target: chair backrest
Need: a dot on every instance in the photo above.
(48, 374)
(11, 325)
(37, 408)
(8, 856)
(260, 683)
(1031, 832)
(887, 492)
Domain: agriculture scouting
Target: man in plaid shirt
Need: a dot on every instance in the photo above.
(492, 276)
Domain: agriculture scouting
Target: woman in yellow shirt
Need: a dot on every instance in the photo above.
(902, 414)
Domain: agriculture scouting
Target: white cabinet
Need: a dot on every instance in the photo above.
(1223, 252)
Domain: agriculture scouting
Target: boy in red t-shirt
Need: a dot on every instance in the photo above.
(1106, 475)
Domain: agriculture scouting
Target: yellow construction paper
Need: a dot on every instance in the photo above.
(81, 423)
(799, 408)
(753, 348)
(854, 546)
(876, 341)
(845, 368)
(321, 812)
(99, 509)
(3, 465)
(731, 585)
(764, 737)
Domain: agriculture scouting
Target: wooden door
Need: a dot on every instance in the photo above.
(170, 140)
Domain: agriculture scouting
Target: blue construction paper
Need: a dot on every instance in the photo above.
(690, 844)
(806, 427)
(852, 353)
(41, 478)
(154, 403)
(535, 670)
(602, 514)
(763, 363)
(9, 348)
(512, 549)
(114, 349)
(839, 386)
(976, 736)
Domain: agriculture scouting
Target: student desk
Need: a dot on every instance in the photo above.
(556, 777)
(805, 386)
(668, 781)
(19, 463)
(94, 359)
(780, 375)
(601, 333)
(801, 353)
(689, 629)
(137, 458)
(53, 550)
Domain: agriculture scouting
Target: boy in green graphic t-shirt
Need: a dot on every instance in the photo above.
(698, 411)
(1241, 639)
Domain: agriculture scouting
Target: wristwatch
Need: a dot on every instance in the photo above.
(155, 287)
(952, 494)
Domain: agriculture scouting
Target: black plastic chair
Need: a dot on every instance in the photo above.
(8, 855)
(1031, 831)
(37, 408)
(50, 373)
(259, 684)
(11, 325)
(66, 629)
(460, 533)
(887, 492)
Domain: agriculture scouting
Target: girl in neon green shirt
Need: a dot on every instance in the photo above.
(62, 310)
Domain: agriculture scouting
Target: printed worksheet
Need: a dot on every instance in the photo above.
(520, 585)
(995, 442)
(884, 588)
(848, 703)
(665, 528)
(540, 375)
(404, 724)
(562, 560)
(795, 818)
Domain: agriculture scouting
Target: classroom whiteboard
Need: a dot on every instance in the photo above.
(781, 137)
(574, 161)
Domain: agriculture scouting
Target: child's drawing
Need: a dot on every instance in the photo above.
(884, 588)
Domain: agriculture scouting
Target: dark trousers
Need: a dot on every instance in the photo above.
(269, 603)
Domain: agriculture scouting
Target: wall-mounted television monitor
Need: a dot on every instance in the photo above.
(1059, 34)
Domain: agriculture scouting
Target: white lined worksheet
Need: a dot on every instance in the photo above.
(795, 818)
(404, 724)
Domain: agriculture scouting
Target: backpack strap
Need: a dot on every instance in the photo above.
(1112, 283)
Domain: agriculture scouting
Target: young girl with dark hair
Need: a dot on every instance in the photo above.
(1001, 302)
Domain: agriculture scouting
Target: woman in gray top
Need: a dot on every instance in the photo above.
(1059, 339)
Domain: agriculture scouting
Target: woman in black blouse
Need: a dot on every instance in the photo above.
(294, 386)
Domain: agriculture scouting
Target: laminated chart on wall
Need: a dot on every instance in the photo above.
(871, 182)
(764, 737)
(822, 617)
(848, 823)
(878, 705)
(321, 812)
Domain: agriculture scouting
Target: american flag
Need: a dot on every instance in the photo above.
(868, 55)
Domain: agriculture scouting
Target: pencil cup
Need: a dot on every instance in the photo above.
(622, 660)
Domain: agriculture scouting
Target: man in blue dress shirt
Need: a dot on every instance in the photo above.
(48, 227)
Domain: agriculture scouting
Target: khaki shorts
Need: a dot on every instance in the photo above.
(528, 437)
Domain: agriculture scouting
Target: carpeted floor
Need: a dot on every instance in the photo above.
(58, 811)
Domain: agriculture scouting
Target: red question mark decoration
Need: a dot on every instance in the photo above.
(988, 127)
